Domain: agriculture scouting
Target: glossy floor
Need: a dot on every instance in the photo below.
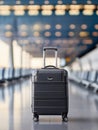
(15, 110)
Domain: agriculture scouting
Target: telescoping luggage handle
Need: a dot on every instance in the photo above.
(44, 56)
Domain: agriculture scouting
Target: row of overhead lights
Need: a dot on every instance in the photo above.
(39, 27)
(59, 41)
(63, 41)
(82, 34)
(48, 9)
(67, 42)
(71, 34)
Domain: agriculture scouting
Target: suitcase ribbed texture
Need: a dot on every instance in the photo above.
(50, 96)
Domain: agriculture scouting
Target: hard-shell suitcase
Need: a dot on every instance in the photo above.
(50, 96)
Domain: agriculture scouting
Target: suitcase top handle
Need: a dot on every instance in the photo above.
(50, 66)
(50, 48)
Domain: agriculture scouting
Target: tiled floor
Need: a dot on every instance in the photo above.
(15, 110)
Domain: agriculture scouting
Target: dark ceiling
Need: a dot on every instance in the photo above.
(70, 25)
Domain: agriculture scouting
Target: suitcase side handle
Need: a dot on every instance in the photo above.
(50, 48)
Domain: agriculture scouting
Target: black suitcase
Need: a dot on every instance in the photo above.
(50, 91)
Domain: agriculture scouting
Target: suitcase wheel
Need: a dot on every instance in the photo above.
(64, 117)
(35, 117)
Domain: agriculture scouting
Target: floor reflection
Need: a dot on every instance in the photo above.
(15, 110)
(14, 104)
(2, 95)
(50, 126)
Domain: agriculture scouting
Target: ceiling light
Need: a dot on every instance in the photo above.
(8, 27)
(18, 2)
(88, 12)
(95, 34)
(23, 34)
(33, 12)
(37, 27)
(36, 34)
(87, 41)
(71, 41)
(8, 34)
(96, 26)
(60, 2)
(46, 2)
(97, 12)
(74, 12)
(19, 7)
(71, 34)
(47, 26)
(58, 26)
(76, 7)
(31, 2)
(72, 26)
(5, 7)
(47, 34)
(89, 7)
(24, 42)
(84, 26)
(58, 34)
(47, 12)
(64, 41)
(84, 34)
(60, 12)
(19, 13)
(74, 2)
(83, 48)
(47, 7)
(60, 7)
(33, 7)
(5, 12)
(23, 27)
(89, 2)
(38, 41)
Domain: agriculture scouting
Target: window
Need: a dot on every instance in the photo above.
(4, 54)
